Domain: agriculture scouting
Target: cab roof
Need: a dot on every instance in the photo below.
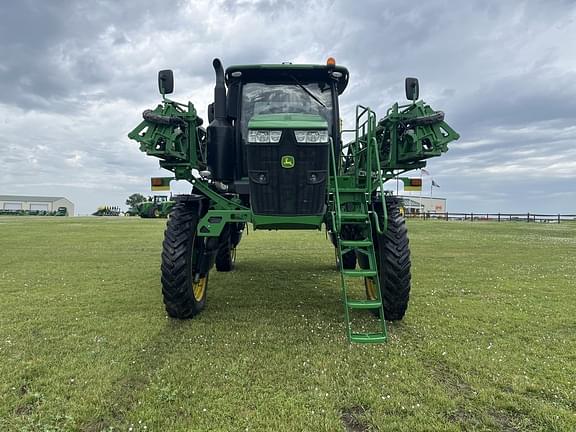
(304, 73)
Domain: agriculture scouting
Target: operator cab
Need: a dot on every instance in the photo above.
(284, 119)
(285, 89)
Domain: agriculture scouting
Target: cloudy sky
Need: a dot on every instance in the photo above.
(75, 77)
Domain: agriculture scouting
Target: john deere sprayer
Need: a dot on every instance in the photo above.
(273, 155)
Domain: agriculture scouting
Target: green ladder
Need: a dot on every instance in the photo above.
(361, 247)
(351, 189)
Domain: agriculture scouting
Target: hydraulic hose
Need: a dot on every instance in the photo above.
(427, 120)
(152, 117)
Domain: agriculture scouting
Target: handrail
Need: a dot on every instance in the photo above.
(380, 230)
(336, 223)
(366, 134)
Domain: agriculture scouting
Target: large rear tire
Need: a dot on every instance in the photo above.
(394, 265)
(183, 288)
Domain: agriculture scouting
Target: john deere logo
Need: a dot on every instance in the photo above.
(287, 161)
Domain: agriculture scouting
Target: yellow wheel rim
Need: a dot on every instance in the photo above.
(371, 289)
(199, 288)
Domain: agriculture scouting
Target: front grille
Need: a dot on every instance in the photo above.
(275, 190)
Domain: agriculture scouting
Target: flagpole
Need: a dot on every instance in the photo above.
(420, 203)
(427, 174)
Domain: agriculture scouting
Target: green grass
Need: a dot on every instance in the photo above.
(488, 342)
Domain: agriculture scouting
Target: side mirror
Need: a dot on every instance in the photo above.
(165, 81)
(412, 90)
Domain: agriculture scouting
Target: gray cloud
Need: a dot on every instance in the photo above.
(74, 77)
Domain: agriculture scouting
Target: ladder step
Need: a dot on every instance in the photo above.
(355, 190)
(368, 337)
(364, 304)
(355, 243)
(359, 273)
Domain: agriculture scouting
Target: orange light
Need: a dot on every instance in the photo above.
(331, 61)
(156, 181)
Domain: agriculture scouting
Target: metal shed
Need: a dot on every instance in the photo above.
(41, 203)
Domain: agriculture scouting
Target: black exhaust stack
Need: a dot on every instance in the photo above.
(219, 91)
(221, 147)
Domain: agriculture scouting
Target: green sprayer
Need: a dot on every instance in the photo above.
(273, 155)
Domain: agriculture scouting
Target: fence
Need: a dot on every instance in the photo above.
(495, 217)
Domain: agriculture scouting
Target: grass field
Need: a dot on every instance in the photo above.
(489, 341)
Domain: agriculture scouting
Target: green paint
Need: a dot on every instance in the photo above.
(287, 121)
(288, 162)
(159, 207)
(287, 222)
(212, 224)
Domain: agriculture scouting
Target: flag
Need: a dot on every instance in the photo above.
(435, 184)
(160, 183)
(412, 188)
(412, 184)
(425, 172)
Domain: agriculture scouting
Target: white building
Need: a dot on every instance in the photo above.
(415, 204)
(49, 204)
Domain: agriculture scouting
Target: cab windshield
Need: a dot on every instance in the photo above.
(291, 98)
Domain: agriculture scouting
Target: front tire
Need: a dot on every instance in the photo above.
(183, 287)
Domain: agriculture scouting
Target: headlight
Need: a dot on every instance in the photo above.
(264, 136)
(312, 136)
(300, 136)
(273, 136)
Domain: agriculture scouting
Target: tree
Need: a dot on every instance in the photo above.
(135, 199)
